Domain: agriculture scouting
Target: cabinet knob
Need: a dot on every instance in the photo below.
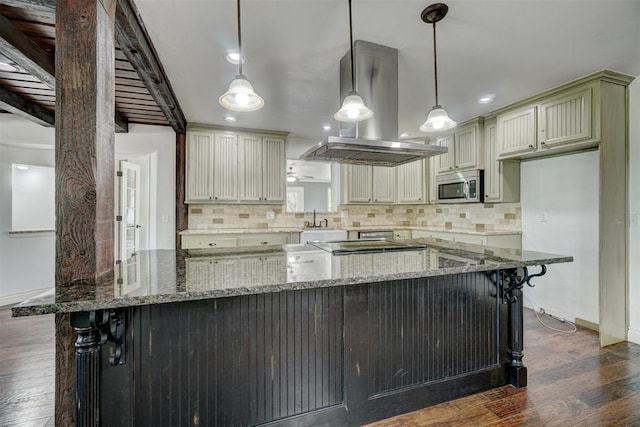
(264, 243)
(419, 198)
(375, 200)
(530, 146)
(216, 197)
(209, 197)
(212, 244)
(542, 142)
(450, 167)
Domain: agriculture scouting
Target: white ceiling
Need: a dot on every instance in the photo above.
(512, 48)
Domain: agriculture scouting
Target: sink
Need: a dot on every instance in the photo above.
(322, 235)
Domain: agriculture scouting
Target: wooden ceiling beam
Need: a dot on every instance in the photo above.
(46, 6)
(137, 47)
(18, 47)
(14, 103)
(122, 125)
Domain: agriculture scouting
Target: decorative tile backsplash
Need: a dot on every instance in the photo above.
(472, 216)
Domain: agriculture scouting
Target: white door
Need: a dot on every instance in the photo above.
(128, 223)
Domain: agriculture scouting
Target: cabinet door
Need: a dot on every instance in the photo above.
(492, 172)
(466, 148)
(250, 166)
(446, 161)
(517, 132)
(411, 182)
(358, 184)
(199, 161)
(384, 184)
(273, 170)
(565, 119)
(433, 187)
(225, 168)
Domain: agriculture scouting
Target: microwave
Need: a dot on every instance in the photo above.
(461, 187)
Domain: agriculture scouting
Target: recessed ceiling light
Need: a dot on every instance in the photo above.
(233, 57)
(486, 99)
(403, 135)
(230, 119)
(326, 127)
(7, 67)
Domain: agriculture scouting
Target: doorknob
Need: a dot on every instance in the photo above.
(138, 226)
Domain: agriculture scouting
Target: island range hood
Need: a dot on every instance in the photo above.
(373, 141)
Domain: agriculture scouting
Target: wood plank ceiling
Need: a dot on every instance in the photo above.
(27, 42)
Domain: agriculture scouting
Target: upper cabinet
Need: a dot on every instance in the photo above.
(234, 167)
(385, 185)
(369, 184)
(412, 183)
(465, 147)
(262, 169)
(501, 178)
(561, 121)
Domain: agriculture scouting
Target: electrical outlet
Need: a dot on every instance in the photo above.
(164, 219)
(271, 215)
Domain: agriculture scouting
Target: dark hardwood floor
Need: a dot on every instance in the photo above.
(572, 382)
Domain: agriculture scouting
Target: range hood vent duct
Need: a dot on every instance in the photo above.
(373, 141)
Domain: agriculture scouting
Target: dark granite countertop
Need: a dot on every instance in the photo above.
(164, 276)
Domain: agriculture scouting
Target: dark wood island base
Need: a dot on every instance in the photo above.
(344, 355)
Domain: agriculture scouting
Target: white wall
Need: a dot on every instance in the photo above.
(559, 198)
(634, 211)
(27, 262)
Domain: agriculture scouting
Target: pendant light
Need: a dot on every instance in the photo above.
(437, 120)
(353, 108)
(241, 96)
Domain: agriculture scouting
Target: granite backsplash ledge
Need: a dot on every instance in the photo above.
(472, 216)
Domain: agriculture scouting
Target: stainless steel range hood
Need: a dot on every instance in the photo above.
(374, 141)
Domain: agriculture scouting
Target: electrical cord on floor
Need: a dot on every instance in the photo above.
(537, 311)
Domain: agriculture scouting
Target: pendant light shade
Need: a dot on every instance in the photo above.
(437, 120)
(241, 96)
(353, 108)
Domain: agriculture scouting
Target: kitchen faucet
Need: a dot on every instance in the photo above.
(308, 224)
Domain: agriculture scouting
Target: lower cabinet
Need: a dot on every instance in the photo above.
(496, 240)
(202, 241)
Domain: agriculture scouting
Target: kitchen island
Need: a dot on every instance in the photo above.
(296, 335)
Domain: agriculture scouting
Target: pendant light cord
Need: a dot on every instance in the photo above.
(435, 61)
(240, 43)
(353, 74)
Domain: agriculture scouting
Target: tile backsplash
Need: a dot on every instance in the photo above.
(472, 216)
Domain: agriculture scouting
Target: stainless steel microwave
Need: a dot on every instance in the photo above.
(461, 187)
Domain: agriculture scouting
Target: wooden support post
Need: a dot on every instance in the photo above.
(182, 219)
(85, 102)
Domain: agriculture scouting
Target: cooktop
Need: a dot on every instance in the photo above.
(342, 247)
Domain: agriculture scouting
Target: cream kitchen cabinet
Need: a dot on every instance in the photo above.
(262, 169)
(501, 178)
(412, 184)
(565, 118)
(465, 148)
(369, 184)
(231, 167)
(516, 131)
(211, 167)
(433, 187)
(232, 240)
(496, 240)
(559, 122)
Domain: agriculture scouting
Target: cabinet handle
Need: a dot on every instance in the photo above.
(212, 244)
(264, 243)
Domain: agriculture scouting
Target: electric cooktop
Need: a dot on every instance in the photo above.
(342, 247)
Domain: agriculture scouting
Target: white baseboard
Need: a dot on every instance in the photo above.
(13, 299)
(633, 336)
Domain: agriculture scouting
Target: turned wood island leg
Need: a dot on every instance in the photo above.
(87, 370)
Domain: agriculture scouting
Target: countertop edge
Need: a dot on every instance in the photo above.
(56, 308)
